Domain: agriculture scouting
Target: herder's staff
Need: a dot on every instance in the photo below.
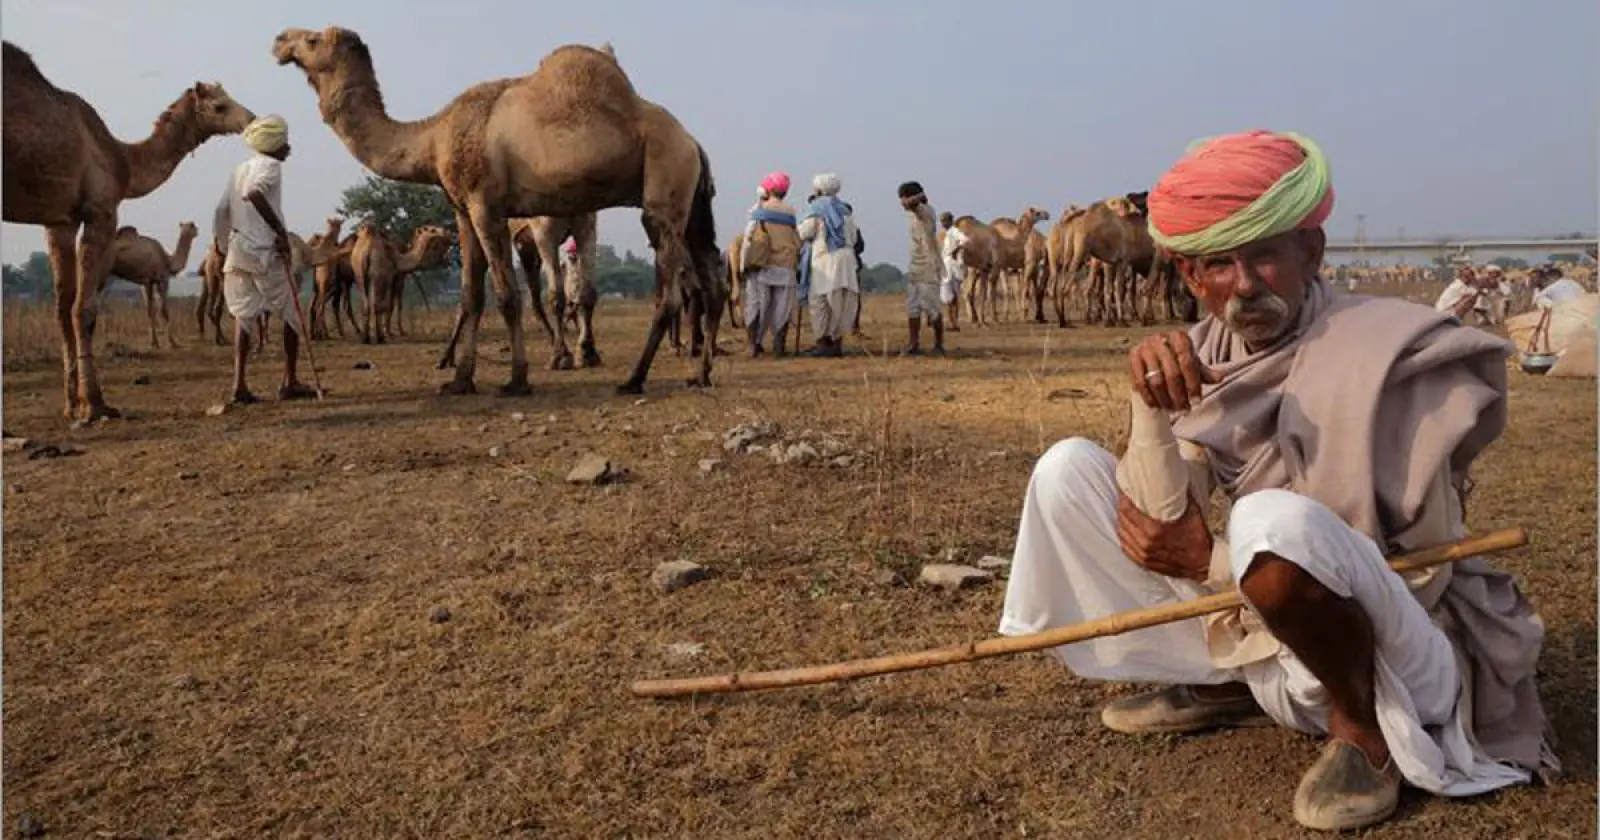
(1111, 625)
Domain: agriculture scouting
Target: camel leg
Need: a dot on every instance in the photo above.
(166, 315)
(218, 304)
(447, 359)
(61, 244)
(200, 308)
(347, 294)
(319, 299)
(529, 254)
(148, 293)
(94, 263)
(495, 239)
(472, 266)
(712, 301)
(586, 298)
(550, 267)
(669, 302)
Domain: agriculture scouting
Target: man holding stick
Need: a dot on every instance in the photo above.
(1340, 428)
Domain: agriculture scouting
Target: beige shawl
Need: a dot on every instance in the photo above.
(1363, 406)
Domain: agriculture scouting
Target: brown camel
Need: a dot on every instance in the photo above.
(981, 259)
(65, 171)
(1113, 231)
(334, 283)
(572, 137)
(1014, 270)
(381, 268)
(141, 260)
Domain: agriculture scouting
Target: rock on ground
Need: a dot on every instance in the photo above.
(676, 574)
(592, 469)
(953, 576)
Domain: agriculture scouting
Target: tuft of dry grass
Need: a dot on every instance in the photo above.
(229, 626)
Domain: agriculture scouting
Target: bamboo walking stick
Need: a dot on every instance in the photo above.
(1111, 625)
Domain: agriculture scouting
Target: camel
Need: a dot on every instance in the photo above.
(142, 261)
(1015, 264)
(65, 171)
(1113, 231)
(980, 257)
(381, 268)
(572, 137)
(334, 285)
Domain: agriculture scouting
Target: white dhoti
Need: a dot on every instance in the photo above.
(950, 285)
(251, 294)
(922, 300)
(833, 312)
(1069, 567)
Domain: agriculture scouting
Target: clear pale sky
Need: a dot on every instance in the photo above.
(1439, 116)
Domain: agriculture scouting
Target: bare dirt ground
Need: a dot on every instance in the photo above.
(389, 615)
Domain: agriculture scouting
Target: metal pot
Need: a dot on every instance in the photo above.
(1538, 364)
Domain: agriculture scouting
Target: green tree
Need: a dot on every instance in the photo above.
(398, 208)
(882, 277)
(32, 278)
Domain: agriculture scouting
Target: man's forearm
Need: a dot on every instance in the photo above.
(259, 201)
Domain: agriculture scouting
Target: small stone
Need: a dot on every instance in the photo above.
(802, 453)
(361, 366)
(142, 379)
(16, 444)
(217, 410)
(682, 428)
(676, 574)
(992, 563)
(831, 447)
(627, 430)
(496, 451)
(953, 576)
(186, 682)
(888, 577)
(686, 650)
(592, 469)
(518, 417)
(542, 430)
(188, 475)
(349, 467)
(483, 427)
(551, 418)
(947, 397)
(640, 401)
(710, 465)
(29, 827)
(844, 461)
(439, 614)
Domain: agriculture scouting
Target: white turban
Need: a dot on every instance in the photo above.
(267, 134)
(825, 184)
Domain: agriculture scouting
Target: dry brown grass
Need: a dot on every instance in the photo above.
(220, 627)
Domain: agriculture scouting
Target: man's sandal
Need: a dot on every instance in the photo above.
(1177, 708)
(1343, 791)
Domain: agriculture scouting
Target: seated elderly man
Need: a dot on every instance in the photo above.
(1340, 427)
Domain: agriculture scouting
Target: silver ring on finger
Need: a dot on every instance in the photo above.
(1153, 376)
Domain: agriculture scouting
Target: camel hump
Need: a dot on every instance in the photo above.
(127, 230)
(585, 73)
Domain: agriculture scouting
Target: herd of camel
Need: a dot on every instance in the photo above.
(525, 162)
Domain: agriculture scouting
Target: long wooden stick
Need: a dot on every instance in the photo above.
(1111, 625)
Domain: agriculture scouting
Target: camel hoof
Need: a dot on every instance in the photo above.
(458, 388)
(631, 387)
(101, 411)
(591, 358)
(445, 363)
(514, 389)
(561, 361)
(699, 382)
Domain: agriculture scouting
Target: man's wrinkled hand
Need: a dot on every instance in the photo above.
(1166, 372)
(1177, 549)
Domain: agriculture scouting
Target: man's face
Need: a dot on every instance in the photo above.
(1257, 289)
(281, 154)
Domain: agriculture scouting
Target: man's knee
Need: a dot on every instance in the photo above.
(1286, 526)
(1070, 463)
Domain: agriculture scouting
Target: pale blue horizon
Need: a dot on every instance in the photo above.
(1440, 118)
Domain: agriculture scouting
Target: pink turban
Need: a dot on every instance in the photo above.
(570, 246)
(1239, 188)
(776, 182)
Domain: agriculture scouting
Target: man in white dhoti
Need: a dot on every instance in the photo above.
(1340, 428)
(924, 270)
(828, 224)
(951, 240)
(249, 229)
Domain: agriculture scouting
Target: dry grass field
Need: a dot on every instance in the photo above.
(388, 614)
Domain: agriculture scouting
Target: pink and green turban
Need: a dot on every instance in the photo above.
(776, 182)
(1235, 189)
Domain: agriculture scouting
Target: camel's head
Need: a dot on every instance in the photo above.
(333, 225)
(216, 112)
(435, 240)
(319, 53)
(187, 230)
(1033, 216)
(1140, 200)
(1123, 206)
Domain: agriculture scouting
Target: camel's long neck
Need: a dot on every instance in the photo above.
(403, 151)
(180, 256)
(152, 160)
(419, 256)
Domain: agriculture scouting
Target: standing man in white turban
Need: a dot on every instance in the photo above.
(250, 232)
(829, 224)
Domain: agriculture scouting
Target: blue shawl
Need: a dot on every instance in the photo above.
(832, 211)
